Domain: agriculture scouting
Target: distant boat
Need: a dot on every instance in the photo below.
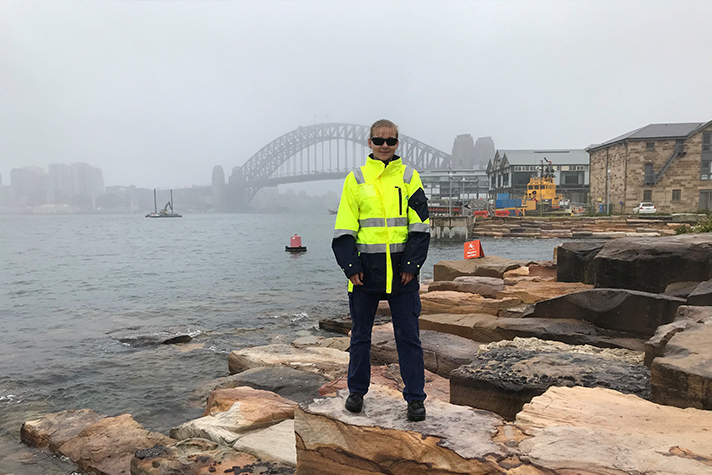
(333, 211)
(164, 212)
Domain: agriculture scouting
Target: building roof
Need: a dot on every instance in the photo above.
(656, 132)
(535, 157)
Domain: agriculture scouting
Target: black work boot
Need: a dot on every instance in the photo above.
(416, 411)
(354, 403)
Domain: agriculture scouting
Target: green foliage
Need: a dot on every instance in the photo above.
(701, 227)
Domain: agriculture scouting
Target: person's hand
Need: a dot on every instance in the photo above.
(357, 279)
(406, 277)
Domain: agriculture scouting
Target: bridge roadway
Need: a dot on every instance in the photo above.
(317, 152)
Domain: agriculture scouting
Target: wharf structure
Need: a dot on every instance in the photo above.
(510, 171)
(667, 164)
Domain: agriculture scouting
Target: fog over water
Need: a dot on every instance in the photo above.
(157, 93)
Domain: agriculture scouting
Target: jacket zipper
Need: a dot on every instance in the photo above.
(400, 201)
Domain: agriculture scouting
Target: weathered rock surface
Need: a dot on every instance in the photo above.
(381, 440)
(484, 286)
(685, 316)
(487, 328)
(502, 380)
(436, 387)
(275, 443)
(460, 302)
(680, 289)
(328, 362)
(53, 430)
(702, 295)
(533, 292)
(543, 269)
(683, 375)
(442, 352)
(200, 457)
(516, 312)
(231, 412)
(574, 261)
(338, 343)
(342, 323)
(108, 446)
(488, 266)
(630, 311)
(522, 271)
(651, 264)
(137, 340)
(603, 432)
(289, 383)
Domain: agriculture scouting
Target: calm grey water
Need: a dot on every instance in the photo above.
(73, 287)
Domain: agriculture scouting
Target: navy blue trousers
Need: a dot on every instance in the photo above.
(405, 310)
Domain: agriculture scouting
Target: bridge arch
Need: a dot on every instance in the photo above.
(281, 161)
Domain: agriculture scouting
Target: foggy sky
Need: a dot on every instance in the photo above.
(157, 93)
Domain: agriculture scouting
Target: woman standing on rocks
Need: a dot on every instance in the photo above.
(381, 241)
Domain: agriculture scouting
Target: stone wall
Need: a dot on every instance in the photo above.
(627, 177)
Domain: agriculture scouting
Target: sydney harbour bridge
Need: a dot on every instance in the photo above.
(317, 152)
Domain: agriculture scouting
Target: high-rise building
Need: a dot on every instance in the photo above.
(484, 151)
(463, 152)
(60, 183)
(87, 184)
(29, 185)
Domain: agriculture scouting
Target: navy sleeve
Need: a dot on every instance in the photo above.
(344, 248)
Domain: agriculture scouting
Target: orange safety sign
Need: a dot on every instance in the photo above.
(473, 249)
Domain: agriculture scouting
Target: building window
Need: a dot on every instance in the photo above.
(647, 195)
(649, 145)
(706, 170)
(707, 141)
(676, 195)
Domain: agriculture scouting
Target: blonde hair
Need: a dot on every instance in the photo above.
(383, 123)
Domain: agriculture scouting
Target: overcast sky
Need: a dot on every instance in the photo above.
(156, 93)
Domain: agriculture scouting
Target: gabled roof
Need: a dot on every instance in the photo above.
(535, 157)
(657, 132)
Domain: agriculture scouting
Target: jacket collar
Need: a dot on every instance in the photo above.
(378, 167)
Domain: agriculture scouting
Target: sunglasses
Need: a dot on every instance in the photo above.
(391, 141)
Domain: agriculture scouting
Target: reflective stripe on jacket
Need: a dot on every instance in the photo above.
(382, 226)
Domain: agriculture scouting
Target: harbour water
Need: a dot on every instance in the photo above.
(77, 291)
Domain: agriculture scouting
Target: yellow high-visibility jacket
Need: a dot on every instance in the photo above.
(382, 226)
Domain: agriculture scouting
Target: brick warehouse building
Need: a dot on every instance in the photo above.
(668, 164)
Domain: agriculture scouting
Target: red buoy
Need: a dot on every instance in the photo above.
(295, 245)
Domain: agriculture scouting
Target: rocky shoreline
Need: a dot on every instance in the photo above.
(597, 362)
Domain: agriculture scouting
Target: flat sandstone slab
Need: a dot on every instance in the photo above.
(380, 440)
(461, 302)
(599, 431)
(328, 362)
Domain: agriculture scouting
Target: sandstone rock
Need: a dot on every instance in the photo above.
(533, 292)
(383, 308)
(683, 375)
(53, 430)
(543, 269)
(488, 266)
(338, 343)
(651, 264)
(486, 328)
(381, 440)
(502, 380)
(325, 361)
(685, 316)
(456, 324)
(702, 295)
(574, 261)
(536, 278)
(289, 383)
(603, 432)
(442, 352)
(231, 412)
(436, 387)
(108, 446)
(154, 339)
(252, 402)
(460, 302)
(680, 289)
(484, 286)
(516, 312)
(342, 323)
(200, 457)
(522, 271)
(535, 344)
(630, 311)
(275, 443)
